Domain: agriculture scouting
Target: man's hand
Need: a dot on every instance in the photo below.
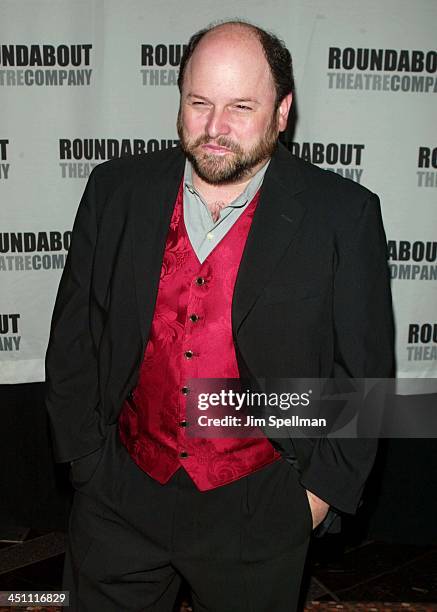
(319, 508)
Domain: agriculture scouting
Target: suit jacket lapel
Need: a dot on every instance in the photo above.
(153, 204)
(275, 224)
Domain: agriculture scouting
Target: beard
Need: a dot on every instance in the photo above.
(231, 167)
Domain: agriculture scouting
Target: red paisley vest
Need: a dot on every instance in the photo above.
(191, 337)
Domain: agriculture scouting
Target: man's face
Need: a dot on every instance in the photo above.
(227, 122)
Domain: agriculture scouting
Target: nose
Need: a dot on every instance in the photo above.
(217, 124)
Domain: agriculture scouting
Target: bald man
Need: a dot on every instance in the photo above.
(224, 258)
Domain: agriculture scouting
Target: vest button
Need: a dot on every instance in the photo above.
(183, 423)
(188, 354)
(185, 390)
(183, 455)
(200, 281)
(194, 318)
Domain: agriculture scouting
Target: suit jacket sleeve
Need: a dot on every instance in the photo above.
(363, 330)
(72, 397)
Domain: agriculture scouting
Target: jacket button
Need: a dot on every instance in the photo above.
(183, 455)
(194, 318)
(200, 281)
(185, 390)
(188, 354)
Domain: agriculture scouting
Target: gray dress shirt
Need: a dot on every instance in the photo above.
(203, 233)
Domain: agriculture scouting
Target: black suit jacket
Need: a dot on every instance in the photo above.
(311, 299)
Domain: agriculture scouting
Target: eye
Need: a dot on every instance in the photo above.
(243, 107)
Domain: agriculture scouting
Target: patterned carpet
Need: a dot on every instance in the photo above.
(317, 606)
(369, 607)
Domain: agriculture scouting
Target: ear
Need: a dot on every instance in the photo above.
(283, 110)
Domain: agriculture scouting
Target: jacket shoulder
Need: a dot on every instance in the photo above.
(332, 199)
(332, 184)
(118, 171)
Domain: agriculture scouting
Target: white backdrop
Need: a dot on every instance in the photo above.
(73, 72)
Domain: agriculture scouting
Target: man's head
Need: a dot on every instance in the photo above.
(236, 87)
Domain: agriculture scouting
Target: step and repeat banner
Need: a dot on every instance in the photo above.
(84, 81)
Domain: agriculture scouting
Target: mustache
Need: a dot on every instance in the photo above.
(221, 141)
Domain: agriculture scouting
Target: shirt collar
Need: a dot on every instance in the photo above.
(244, 198)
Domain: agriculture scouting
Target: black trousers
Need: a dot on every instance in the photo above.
(241, 547)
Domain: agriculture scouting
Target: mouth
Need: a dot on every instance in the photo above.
(215, 149)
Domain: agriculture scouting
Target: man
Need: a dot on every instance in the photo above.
(228, 258)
